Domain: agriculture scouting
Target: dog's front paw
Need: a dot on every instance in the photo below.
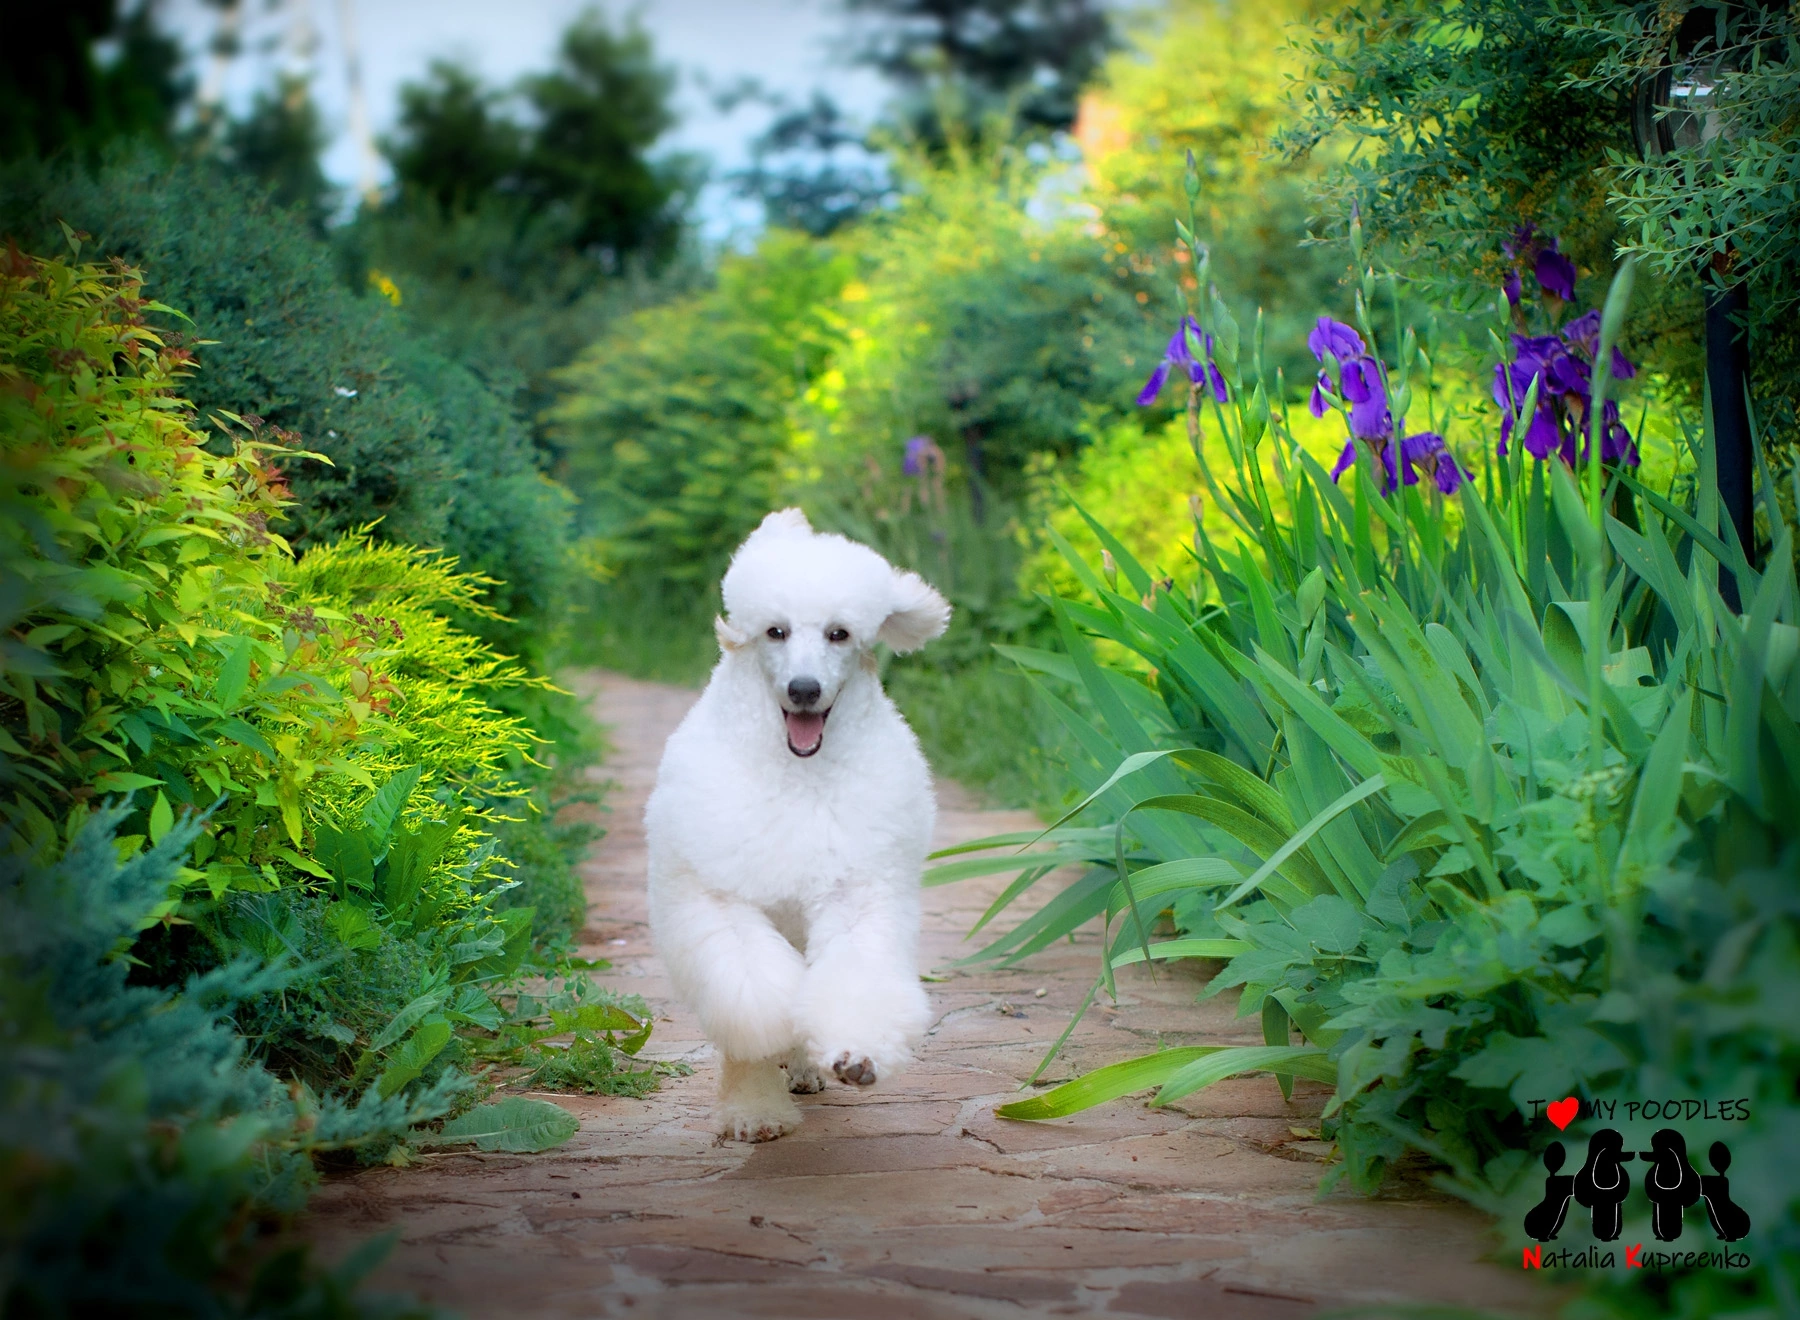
(803, 1078)
(854, 1069)
(743, 1123)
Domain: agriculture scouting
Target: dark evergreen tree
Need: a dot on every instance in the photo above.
(279, 143)
(812, 170)
(453, 148)
(1033, 55)
(599, 112)
(56, 94)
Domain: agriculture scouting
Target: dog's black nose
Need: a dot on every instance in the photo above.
(803, 691)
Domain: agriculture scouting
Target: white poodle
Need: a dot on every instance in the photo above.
(789, 824)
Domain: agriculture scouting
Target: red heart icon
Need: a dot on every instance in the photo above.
(1562, 1112)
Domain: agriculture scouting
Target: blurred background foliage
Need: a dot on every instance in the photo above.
(516, 398)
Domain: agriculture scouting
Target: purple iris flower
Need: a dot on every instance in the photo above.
(1335, 338)
(1178, 354)
(1424, 453)
(1511, 287)
(1360, 379)
(1556, 273)
(1522, 240)
(914, 462)
(1584, 333)
(1367, 396)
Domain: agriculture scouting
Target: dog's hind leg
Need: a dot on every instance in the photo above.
(754, 1104)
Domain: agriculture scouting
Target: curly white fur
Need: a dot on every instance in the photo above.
(784, 882)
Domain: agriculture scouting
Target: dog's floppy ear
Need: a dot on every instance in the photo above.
(916, 615)
(729, 638)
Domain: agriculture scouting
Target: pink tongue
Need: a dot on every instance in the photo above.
(805, 728)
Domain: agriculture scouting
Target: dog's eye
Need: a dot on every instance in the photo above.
(838, 635)
(778, 634)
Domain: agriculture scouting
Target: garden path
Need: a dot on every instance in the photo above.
(912, 1201)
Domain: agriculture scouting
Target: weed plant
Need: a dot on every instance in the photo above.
(1474, 811)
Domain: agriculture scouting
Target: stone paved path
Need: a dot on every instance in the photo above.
(912, 1201)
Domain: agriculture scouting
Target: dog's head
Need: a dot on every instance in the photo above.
(808, 606)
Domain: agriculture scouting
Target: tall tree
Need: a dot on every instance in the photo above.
(599, 112)
(580, 166)
(1031, 55)
(56, 93)
(453, 148)
(812, 169)
(279, 143)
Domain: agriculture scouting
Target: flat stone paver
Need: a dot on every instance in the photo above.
(912, 1201)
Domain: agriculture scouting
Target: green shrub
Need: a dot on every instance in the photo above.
(1449, 794)
(325, 715)
(417, 443)
(139, 1147)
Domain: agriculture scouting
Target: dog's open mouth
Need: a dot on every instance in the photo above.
(805, 730)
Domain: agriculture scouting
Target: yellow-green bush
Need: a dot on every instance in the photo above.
(164, 642)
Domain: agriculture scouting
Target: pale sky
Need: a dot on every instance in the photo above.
(786, 44)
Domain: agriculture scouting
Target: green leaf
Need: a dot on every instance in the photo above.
(1103, 1084)
(1659, 784)
(123, 781)
(406, 1018)
(355, 929)
(301, 863)
(346, 854)
(951, 872)
(234, 674)
(1165, 949)
(517, 1125)
(593, 1017)
(1277, 1029)
(246, 735)
(409, 862)
(380, 812)
(1368, 788)
(1330, 924)
(1251, 793)
(1295, 1060)
(162, 817)
(413, 1057)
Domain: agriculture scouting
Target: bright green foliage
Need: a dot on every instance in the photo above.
(138, 1145)
(673, 430)
(418, 444)
(1738, 192)
(1215, 79)
(998, 334)
(326, 715)
(1442, 792)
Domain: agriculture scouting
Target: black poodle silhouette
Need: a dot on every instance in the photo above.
(1545, 1219)
(1730, 1221)
(1603, 1184)
(1671, 1184)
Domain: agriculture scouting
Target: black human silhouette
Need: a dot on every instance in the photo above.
(1603, 1184)
(1730, 1221)
(1545, 1219)
(1671, 1183)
